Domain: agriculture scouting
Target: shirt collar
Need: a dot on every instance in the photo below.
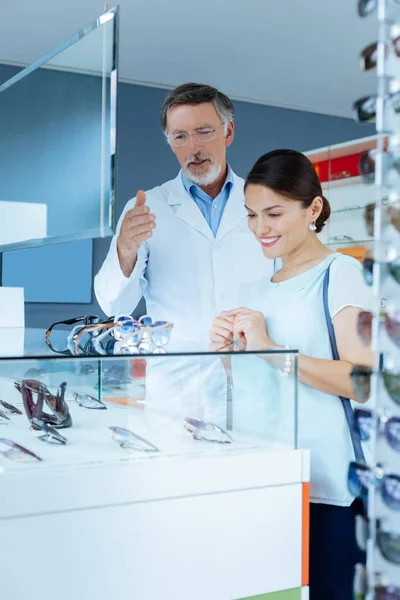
(190, 186)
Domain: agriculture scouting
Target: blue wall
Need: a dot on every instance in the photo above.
(145, 160)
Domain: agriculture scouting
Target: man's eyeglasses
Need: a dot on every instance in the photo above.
(205, 134)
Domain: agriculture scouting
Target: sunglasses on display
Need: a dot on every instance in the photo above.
(46, 433)
(60, 346)
(35, 395)
(380, 592)
(365, 108)
(202, 430)
(391, 320)
(367, 7)
(14, 451)
(393, 268)
(87, 401)
(387, 542)
(361, 381)
(5, 417)
(369, 56)
(365, 422)
(9, 408)
(391, 215)
(131, 441)
(361, 477)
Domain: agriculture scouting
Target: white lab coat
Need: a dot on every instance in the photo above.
(186, 275)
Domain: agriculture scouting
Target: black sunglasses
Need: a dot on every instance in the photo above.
(393, 268)
(61, 347)
(365, 108)
(361, 381)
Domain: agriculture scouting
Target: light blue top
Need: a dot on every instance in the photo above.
(212, 210)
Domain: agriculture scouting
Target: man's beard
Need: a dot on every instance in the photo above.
(211, 174)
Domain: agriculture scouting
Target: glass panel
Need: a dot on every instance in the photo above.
(57, 142)
(133, 408)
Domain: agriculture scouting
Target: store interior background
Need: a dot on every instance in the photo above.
(292, 69)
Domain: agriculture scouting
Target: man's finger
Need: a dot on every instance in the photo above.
(140, 198)
(137, 220)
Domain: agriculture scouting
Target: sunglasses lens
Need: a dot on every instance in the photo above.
(392, 432)
(362, 532)
(366, 166)
(358, 479)
(391, 491)
(392, 384)
(365, 109)
(394, 270)
(146, 321)
(368, 267)
(366, 7)
(364, 327)
(364, 423)
(361, 380)
(389, 545)
(392, 326)
(394, 214)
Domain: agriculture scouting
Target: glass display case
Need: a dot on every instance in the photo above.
(190, 456)
(88, 410)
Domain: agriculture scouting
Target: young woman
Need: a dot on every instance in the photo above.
(286, 209)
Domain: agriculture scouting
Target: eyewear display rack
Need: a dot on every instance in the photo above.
(382, 572)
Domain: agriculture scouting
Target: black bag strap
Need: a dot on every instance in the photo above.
(355, 434)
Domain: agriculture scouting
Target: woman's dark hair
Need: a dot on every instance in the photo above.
(291, 174)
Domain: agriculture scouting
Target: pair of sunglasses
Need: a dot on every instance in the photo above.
(35, 394)
(87, 401)
(14, 451)
(387, 542)
(8, 408)
(369, 56)
(391, 215)
(361, 477)
(61, 347)
(203, 430)
(367, 7)
(132, 441)
(361, 381)
(365, 108)
(365, 421)
(390, 319)
(380, 592)
(46, 433)
(393, 268)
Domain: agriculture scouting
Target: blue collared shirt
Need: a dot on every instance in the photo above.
(212, 210)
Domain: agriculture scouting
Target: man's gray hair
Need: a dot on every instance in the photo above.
(197, 93)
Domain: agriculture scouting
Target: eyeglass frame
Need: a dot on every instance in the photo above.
(212, 130)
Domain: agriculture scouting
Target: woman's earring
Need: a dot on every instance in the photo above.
(312, 226)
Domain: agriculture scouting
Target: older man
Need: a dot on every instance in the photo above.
(185, 245)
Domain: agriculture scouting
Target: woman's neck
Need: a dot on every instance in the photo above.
(311, 252)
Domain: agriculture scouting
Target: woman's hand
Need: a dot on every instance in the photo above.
(221, 334)
(249, 328)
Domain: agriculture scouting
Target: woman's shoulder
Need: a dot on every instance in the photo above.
(343, 266)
